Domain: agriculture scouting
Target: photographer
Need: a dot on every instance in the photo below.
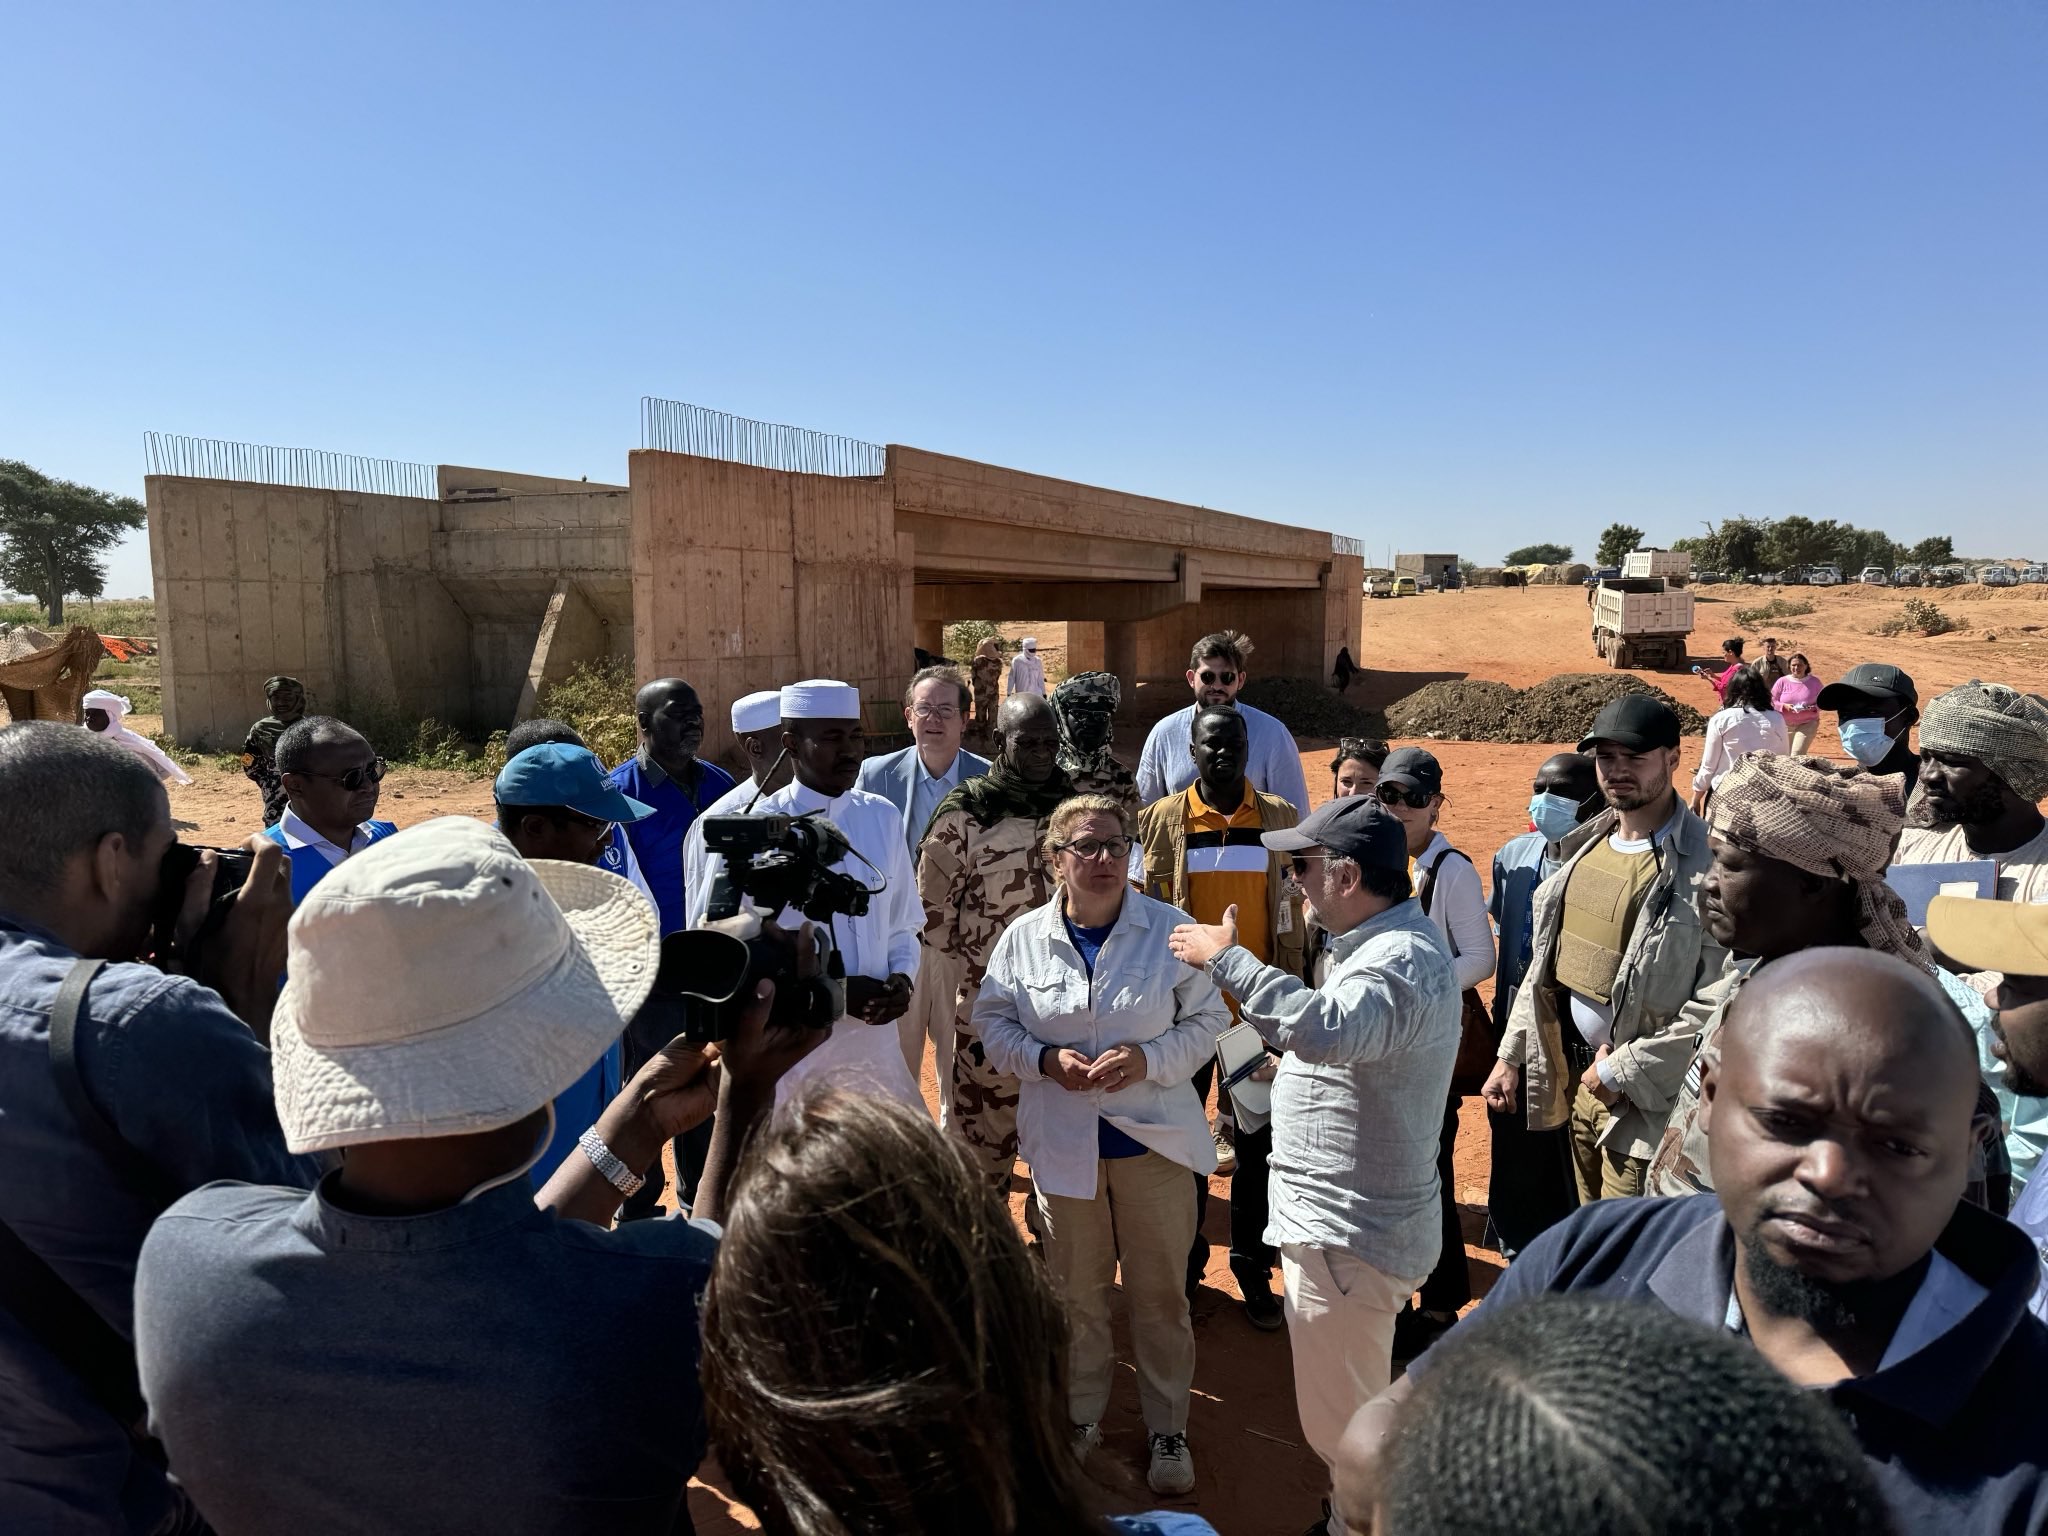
(172, 1091)
(821, 730)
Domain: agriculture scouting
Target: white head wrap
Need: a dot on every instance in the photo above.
(113, 704)
(820, 698)
(757, 712)
(1030, 642)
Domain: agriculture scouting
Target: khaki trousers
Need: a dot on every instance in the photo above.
(1142, 1216)
(1340, 1327)
(1801, 738)
(1600, 1172)
(930, 1017)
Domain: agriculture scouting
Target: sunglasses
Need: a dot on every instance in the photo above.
(1299, 862)
(1400, 794)
(371, 772)
(1091, 849)
(1218, 679)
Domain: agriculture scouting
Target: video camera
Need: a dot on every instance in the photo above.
(778, 862)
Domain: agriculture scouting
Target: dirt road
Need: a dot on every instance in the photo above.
(1254, 1477)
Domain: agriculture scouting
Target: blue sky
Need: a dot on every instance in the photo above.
(1464, 274)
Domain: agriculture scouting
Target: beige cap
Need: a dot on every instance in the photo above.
(2008, 936)
(441, 985)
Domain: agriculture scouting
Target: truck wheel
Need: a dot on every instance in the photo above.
(1618, 658)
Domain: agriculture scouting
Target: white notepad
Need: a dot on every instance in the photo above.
(1240, 1052)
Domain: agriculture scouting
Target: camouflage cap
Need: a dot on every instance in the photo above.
(1083, 689)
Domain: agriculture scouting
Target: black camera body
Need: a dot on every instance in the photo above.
(230, 873)
(777, 861)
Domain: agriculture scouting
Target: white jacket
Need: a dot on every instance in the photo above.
(1037, 993)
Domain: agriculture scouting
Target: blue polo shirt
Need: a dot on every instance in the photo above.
(658, 839)
(1956, 1431)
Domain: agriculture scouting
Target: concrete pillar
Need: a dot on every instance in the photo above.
(1084, 647)
(931, 635)
(1120, 656)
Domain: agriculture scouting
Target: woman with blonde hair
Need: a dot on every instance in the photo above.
(1087, 1006)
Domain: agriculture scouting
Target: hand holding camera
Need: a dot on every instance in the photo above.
(221, 917)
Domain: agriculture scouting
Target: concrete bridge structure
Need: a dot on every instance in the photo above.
(463, 595)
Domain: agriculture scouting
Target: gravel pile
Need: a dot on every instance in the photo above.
(1558, 709)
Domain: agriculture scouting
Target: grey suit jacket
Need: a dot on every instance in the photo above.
(894, 776)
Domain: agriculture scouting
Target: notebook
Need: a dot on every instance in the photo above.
(1239, 1053)
(1918, 884)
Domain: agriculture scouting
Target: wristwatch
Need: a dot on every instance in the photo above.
(616, 1173)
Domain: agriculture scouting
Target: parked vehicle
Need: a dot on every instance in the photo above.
(1906, 576)
(1874, 576)
(1404, 586)
(1674, 565)
(2034, 574)
(1708, 578)
(1641, 621)
(1791, 576)
(1824, 576)
(1605, 573)
(1938, 576)
(1998, 576)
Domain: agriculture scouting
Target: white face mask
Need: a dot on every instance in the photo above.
(540, 1147)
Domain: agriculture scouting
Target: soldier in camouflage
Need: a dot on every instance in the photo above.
(1085, 705)
(979, 868)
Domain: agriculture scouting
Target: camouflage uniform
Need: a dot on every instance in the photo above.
(987, 673)
(1094, 771)
(975, 881)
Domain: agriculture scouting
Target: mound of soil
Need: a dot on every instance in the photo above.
(1309, 710)
(1559, 709)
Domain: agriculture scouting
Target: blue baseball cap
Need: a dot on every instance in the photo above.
(555, 774)
(1356, 827)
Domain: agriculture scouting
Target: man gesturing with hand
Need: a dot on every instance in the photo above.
(1357, 1103)
(1104, 1030)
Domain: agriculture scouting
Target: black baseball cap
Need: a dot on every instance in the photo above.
(1356, 827)
(1872, 680)
(1637, 721)
(1415, 768)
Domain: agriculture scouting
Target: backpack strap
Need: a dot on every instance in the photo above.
(76, 1336)
(1426, 887)
(141, 1176)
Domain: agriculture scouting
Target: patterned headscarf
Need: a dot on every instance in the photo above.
(1836, 822)
(2006, 728)
(1084, 690)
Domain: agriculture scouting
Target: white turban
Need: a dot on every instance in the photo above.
(116, 710)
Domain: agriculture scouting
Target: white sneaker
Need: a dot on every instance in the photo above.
(1173, 1465)
(1086, 1438)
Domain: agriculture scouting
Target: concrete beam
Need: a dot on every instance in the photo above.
(958, 547)
(1082, 601)
(571, 631)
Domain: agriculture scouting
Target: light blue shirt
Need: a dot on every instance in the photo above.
(1359, 1100)
(1167, 765)
(925, 794)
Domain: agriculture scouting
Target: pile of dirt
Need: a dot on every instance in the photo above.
(1309, 710)
(1558, 709)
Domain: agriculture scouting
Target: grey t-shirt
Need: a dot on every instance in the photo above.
(490, 1367)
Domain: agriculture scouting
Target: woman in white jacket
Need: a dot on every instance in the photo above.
(1748, 724)
(1085, 1003)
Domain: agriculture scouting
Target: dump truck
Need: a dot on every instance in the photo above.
(1641, 621)
(1674, 565)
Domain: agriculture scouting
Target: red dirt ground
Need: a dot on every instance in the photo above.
(1254, 1476)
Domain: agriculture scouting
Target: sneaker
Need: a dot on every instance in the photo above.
(1086, 1438)
(1224, 1134)
(1173, 1465)
(1261, 1307)
(1415, 1330)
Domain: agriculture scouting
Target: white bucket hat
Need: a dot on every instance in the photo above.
(441, 985)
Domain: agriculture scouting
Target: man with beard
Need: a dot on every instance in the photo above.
(1983, 770)
(1594, 1040)
(2011, 939)
(1085, 705)
(982, 867)
(666, 774)
(1839, 1128)
(1800, 848)
(1216, 674)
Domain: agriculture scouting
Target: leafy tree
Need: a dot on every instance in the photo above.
(1941, 551)
(53, 534)
(1617, 541)
(1742, 544)
(1538, 554)
(1802, 541)
(1859, 547)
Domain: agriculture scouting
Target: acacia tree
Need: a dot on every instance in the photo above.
(1617, 541)
(53, 534)
(1539, 554)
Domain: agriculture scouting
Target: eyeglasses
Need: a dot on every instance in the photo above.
(371, 772)
(934, 712)
(1299, 862)
(1218, 679)
(1400, 794)
(1091, 848)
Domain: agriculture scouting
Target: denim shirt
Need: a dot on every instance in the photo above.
(1359, 1100)
(186, 1085)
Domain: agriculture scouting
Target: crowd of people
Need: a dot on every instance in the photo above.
(338, 1206)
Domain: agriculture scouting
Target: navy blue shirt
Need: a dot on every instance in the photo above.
(1956, 1433)
(188, 1087)
(1109, 1141)
(658, 839)
(488, 1367)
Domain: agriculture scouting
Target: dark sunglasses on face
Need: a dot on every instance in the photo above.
(371, 772)
(1098, 848)
(1218, 679)
(1400, 794)
(1299, 863)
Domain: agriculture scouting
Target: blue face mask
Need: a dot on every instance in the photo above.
(1866, 740)
(1554, 815)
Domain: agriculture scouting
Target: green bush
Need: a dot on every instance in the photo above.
(1922, 618)
(964, 639)
(597, 699)
(1777, 610)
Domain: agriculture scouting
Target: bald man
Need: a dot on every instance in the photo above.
(1839, 1131)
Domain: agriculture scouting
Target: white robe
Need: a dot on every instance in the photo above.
(116, 709)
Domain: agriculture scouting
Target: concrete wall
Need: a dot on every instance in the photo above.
(749, 578)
